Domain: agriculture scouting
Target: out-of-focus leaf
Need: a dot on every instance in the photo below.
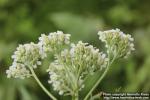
(141, 77)
(80, 27)
(121, 14)
(25, 95)
(143, 39)
(6, 49)
(89, 82)
(10, 93)
(1, 92)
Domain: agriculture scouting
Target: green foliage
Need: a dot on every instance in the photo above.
(22, 21)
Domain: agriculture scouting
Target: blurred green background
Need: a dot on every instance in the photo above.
(22, 21)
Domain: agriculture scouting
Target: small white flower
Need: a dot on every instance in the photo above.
(39, 63)
(61, 92)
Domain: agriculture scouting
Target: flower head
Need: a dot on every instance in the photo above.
(54, 41)
(117, 43)
(18, 70)
(74, 64)
(27, 55)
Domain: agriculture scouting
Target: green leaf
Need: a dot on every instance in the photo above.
(89, 83)
(84, 26)
(26, 95)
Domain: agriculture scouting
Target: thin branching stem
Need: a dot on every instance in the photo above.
(103, 75)
(99, 80)
(41, 85)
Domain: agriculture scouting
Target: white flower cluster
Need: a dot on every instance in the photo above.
(27, 55)
(117, 43)
(71, 66)
(58, 78)
(74, 64)
(18, 70)
(54, 41)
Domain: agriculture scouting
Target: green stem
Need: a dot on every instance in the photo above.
(103, 75)
(41, 85)
(97, 96)
(76, 96)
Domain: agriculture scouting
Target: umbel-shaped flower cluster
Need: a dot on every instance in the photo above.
(117, 43)
(72, 65)
(29, 55)
(53, 42)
